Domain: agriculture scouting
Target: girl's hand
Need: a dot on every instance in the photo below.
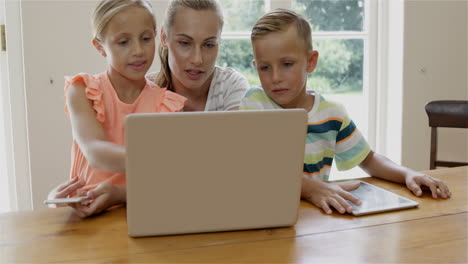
(438, 188)
(325, 195)
(104, 196)
(64, 190)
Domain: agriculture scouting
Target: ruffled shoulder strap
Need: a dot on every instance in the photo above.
(169, 101)
(93, 91)
(172, 102)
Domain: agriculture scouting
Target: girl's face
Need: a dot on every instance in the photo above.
(193, 44)
(128, 43)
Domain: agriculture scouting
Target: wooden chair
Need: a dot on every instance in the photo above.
(446, 113)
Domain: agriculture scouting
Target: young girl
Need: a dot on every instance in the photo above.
(124, 34)
(189, 47)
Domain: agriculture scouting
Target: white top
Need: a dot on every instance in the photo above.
(227, 88)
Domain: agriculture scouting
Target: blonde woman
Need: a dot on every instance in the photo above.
(190, 39)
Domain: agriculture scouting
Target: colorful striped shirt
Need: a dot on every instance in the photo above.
(331, 134)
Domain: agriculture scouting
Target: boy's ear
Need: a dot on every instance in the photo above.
(312, 60)
(163, 38)
(97, 44)
(254, 64)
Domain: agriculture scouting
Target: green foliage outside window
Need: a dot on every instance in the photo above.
(238, 54)
(341, 61)
(241, 15)
(339, 68)
(332, 15)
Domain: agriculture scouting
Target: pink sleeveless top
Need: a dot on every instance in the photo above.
(111, 113)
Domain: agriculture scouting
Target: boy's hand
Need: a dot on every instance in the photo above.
(104, 196)
(325, 195)
(64, 190)
(438, 188)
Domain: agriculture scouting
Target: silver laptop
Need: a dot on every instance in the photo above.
(213, 171)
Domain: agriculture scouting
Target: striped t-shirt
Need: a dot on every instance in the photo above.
(330, 134)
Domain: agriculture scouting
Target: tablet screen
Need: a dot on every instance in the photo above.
(375, 199)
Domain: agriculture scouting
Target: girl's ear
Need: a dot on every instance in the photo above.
(312, 59)
(97, 44)
(254, 64)
(163, 38)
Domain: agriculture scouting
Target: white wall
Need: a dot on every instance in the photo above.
(57, 37)
(435, 68)
(56, 43)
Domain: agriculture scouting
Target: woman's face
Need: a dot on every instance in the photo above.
(193, 44)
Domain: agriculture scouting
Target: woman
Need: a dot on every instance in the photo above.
(189, 47)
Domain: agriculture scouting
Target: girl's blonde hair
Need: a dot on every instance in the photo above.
(107, 9)
(279, 20)
(164, 79)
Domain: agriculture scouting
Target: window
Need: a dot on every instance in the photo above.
(341, 35)
(236, 51)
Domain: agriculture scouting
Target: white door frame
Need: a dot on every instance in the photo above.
(19, 175)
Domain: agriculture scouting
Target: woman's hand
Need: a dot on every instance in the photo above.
(325, 195)
(64, 190)
(414, 182)
(103, 197)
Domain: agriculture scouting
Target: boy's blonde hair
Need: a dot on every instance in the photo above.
(107, 9)
(280, 20)
(164, 79)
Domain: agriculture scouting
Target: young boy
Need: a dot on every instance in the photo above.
(282, 46)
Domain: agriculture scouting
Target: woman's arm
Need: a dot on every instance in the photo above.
(89, 134)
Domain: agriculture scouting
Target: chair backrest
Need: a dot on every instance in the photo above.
(445, 113)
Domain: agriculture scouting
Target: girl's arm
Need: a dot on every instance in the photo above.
(104, 196)
(64, 190)
(89, 134)
(381, 167)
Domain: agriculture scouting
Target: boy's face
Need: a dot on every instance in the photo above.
(283, 61)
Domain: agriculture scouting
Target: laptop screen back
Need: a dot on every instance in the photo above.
(213, 171)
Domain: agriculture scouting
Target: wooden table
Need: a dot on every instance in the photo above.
(436, 232)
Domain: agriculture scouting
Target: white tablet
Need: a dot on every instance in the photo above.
(375, 200)
(66, 200)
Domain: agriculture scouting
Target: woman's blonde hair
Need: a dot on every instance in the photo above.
(279, 20)
(164, 79)
(107, 9)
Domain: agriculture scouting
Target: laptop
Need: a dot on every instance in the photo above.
(193, 172)
(377, 200)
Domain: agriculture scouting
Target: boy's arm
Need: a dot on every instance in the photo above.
(89, 134)
(326, 195)
(381, 167)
